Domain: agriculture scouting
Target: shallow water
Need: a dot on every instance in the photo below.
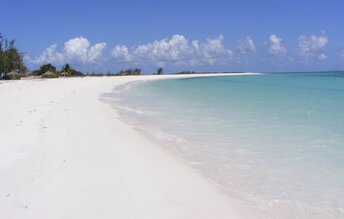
(275, 141)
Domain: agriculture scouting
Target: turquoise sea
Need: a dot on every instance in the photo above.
(275, 141)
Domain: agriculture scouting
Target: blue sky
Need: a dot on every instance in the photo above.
(178, 35)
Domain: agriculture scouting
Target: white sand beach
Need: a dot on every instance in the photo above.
(64, 153)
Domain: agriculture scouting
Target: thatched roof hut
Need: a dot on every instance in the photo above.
(13, 75)
(64, 74)
(49, 74)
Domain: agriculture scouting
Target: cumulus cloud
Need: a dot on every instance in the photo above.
(121, 52)
(176, 49)
(76, 50)
(79, 49)
(49, 55)
(312, 46)
(246, 45)
(274, 45)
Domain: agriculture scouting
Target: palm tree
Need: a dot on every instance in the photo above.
(66, 70)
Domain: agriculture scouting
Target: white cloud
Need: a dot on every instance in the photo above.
(121, 52)
(175, 49)
(274, 45)
(212, 50)
(95, 52)
(49, 55)
(312, 46)
(78, 49)
(246, 45)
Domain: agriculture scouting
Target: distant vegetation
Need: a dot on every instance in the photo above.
(49, 71)
(43, 69)
(185, 72)
(135, 71)
(160, 71)
(12, 66)
(66, 71)
(11, 60)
